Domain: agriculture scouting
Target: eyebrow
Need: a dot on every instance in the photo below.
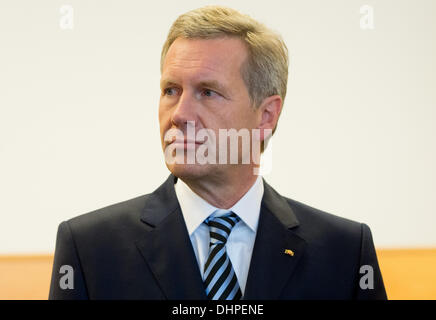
(167, 82)
(212, 84)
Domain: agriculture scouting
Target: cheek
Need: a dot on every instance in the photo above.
(164, 118)
(244, 118)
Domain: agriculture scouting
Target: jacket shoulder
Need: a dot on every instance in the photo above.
(318, 224)
(110, 218)
(336, 250)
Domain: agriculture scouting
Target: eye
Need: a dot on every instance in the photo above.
(209, 93)
(170, 91)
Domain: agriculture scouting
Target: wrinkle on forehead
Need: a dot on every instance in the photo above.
(188, 53)
(185, 65)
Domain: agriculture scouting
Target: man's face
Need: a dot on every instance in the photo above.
(201, 82)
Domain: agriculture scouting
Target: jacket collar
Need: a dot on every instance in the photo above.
(159, 204)
(163, 201)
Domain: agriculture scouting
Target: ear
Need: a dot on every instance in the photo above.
(269, 110)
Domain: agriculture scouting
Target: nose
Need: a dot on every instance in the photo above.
(184, 111)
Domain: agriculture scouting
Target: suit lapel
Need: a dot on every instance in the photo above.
(167, 248)
(270, 267)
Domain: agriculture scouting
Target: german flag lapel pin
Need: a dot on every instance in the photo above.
(289, 252)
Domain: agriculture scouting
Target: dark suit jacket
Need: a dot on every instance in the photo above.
(140, 249)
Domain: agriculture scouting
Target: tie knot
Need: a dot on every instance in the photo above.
(221, 226)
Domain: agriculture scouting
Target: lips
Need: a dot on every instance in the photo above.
(186, 143)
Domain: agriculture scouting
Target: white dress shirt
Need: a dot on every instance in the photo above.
(240, 243)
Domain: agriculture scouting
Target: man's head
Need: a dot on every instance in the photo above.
(222, 70)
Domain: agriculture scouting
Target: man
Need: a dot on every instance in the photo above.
(215, 229)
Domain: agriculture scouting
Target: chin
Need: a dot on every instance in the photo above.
(189, 171)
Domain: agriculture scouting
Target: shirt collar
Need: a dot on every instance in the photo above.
(195, 209)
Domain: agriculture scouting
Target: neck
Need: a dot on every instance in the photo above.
(223, 191)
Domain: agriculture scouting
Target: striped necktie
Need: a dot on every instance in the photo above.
(219, 277)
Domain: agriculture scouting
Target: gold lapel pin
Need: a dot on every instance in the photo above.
(289, 252)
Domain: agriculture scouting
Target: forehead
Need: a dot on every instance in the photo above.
(220, 57)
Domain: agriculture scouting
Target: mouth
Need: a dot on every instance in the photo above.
(185, 143)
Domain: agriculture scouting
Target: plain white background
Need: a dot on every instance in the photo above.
(79, 127)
